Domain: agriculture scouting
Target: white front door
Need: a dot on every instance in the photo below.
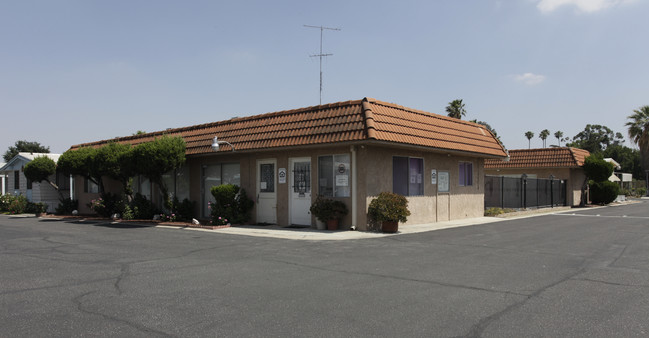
(266, 191)
(300, 191)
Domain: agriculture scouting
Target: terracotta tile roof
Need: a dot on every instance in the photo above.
(562, 157)
(348, 121)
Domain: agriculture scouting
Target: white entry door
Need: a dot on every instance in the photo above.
(267, 191)
(300, 191)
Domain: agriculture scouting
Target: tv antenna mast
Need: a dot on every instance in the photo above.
(321, 28)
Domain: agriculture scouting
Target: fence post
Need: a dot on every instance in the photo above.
(551, 191)
(502, 192)
(524, 187)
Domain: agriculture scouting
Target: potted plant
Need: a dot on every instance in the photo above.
(389, 209)
(40, 209)
(328, 211)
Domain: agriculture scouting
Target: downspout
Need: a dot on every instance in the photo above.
(72, 187)
(354, 192)
(370, 134)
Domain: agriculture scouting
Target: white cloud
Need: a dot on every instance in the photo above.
(529, 79)
(586, 6)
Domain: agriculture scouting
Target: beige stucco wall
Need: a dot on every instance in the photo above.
(574, 179)
(372, 171)
(248, 171)
(375, 168)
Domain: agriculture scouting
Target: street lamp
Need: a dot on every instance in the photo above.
(216, 142)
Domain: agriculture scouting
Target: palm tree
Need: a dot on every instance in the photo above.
(456, 109)
(543, 135)
(639, 133)
(529, 136)
(558, 135)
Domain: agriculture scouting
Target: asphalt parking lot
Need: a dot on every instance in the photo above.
(579, 273)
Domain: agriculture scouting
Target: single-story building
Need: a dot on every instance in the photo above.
(350, 151)
(15, 182)
(560, 163)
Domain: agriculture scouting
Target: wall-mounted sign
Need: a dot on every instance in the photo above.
(341, 168)
(342, 180)
(281, 174)
(444, 180)
(433, 176)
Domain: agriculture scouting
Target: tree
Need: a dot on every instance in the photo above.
(40, 169)
(595, 138)
(488, 126)
(628, 158)
(24, 147)
(544, 135)
(529, 136)
(81, 162)
(558, 135)
(153, 159)
(456, 109)
(598, 171)
(110, 160)
(639, 132)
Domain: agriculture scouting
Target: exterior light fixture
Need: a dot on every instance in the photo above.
(216, 142)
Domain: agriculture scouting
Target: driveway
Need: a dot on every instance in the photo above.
(576, 274)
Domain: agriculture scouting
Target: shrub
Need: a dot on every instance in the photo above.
(66, 206)
(142, 208)
(231, 205)
(97, 206)
(640, 191)
(36, 208)
(494, 212)
(603, 192)
(184, 210)
(597, 169)
(127, 213)
(325, 209)
(5, 201)
(18, 205)
(389, 206)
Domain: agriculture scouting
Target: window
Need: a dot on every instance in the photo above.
(17, 180)
(407, 176)
(141, 185)
(62, 181)
(217, 174)
(177, 183)
(90, 186)
(333, 175)
(466, 174)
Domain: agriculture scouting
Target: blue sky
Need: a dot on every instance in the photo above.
(74, 71)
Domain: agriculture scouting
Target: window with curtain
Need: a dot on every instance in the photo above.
(407, 176)
(466, 174)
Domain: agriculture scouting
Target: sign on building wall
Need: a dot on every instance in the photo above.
(444, 180)
(433, 176)
(281, 175)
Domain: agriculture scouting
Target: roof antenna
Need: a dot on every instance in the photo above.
(322, 28)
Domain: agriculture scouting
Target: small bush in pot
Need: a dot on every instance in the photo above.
(329, 211)
(389, 209)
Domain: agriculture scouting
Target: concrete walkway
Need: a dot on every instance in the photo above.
(324, 235)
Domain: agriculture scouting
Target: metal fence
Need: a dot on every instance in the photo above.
(523, 192)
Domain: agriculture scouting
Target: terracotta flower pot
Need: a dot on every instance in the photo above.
(332, 224)
(389, 226)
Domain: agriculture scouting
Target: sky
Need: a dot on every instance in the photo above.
(76, 71)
